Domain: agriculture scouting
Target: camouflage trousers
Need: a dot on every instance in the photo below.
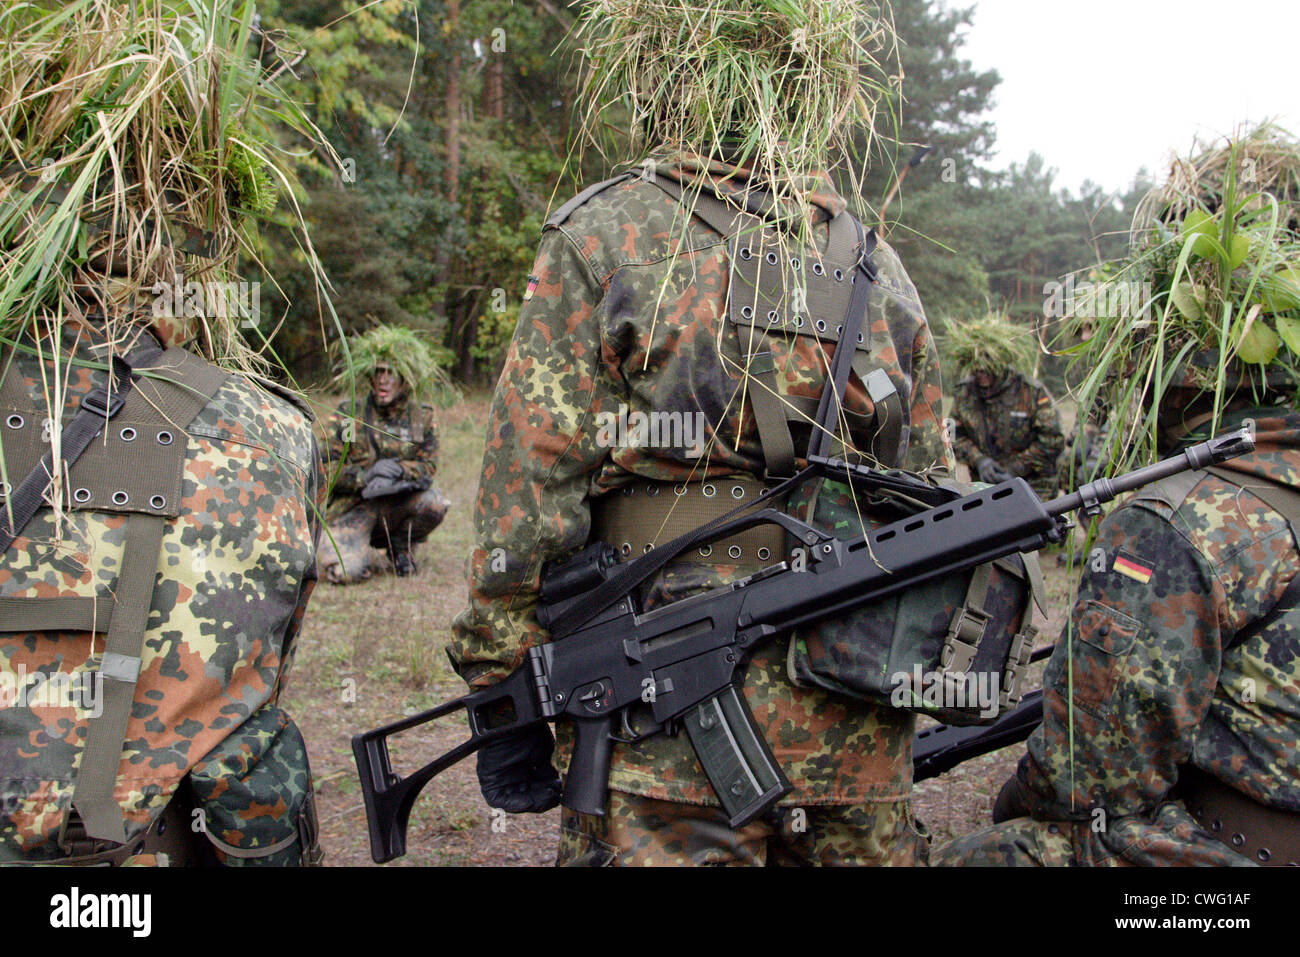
(1169, 836)
(638, 831)
(394, 523)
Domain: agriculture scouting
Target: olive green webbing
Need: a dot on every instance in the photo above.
(93, 796)
(770, 417)
(67, 613)
(652, 513)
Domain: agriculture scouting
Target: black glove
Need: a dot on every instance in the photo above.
(989, 471)
(515, 773)
(379, 487)
(1011, 801)
(390, 469)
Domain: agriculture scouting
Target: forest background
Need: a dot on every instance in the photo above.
(455, 122)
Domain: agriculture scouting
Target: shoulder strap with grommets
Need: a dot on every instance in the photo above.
(97, 407)
(774, 412)
(185, 385)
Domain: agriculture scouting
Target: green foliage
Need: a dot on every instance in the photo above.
(772, 84)
(991, 343)
(422, 234)
(127, 130)
(405, 351)
(1218, 249)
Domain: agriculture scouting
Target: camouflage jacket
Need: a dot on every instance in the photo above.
(235, 571)
(1015, 424)
(404, 430)
(626, 309)
(1147, 680)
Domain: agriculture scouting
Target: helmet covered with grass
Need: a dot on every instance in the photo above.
(138, 146)
(777, 86)
(1216, 258)
(992, 344)
(397, 350)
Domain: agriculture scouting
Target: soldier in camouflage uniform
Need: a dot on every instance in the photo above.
(383, 458)
(626, 311)
(1171, 729)
(165, 588)
(1005, 424)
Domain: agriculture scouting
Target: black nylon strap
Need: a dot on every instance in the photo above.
(97, 407)
(826, 422)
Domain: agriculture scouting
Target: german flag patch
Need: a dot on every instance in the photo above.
(1134, 569)
(532, 287)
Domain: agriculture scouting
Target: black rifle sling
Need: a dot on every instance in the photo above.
(827, 419)
(371, 428)
(97, 408)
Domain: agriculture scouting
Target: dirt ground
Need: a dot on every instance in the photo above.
(373, 652)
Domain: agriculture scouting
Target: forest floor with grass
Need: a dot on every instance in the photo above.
(370, 653)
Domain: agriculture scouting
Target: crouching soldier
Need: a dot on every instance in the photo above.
(382, 455)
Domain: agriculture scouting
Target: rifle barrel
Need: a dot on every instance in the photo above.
(1216, 450)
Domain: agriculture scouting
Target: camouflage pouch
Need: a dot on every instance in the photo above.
(955, 648)
(254, 798)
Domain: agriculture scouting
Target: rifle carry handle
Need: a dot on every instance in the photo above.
(735, 757)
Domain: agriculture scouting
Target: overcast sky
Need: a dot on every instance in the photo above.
(1102, 87)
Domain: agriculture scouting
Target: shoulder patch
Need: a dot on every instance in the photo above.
(557, 218)
(1133, 567)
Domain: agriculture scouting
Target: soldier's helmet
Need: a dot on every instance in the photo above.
(142, 143)
(776, 86)
(991, 344)
(403, 351)
(1213, 315)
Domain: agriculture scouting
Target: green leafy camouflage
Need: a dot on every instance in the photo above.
(1151, 683)
(236, 569)
(1014, 423)
(405, 431)
(627, 307)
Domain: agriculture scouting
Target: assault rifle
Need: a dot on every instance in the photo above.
(681, 662)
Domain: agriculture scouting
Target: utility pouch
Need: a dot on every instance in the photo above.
(955, 648)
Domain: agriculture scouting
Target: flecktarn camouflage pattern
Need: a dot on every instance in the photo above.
(234, 574)
(637, 831)
(1013, 422)
(628, 310)
(360, 434)
(1148, 683)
